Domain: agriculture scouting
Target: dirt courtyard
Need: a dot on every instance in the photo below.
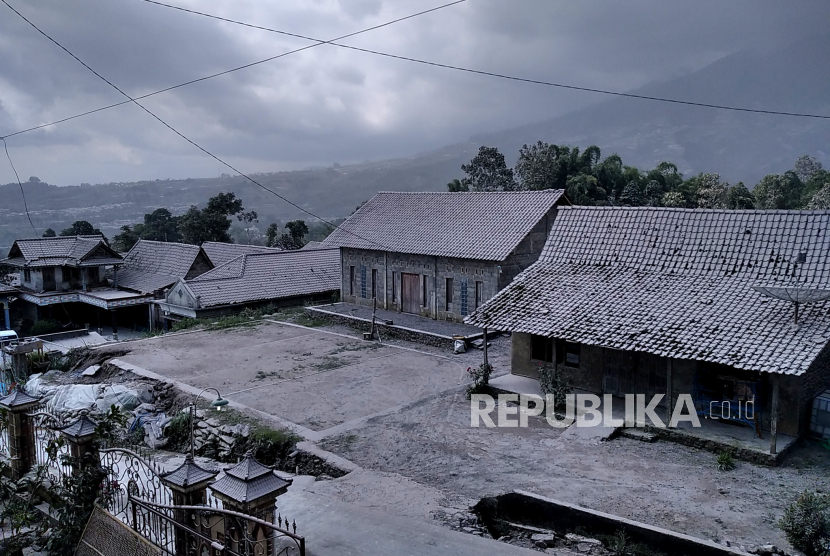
(400, 412)
(312, 377)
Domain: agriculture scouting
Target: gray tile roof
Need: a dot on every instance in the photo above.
(249, 480)
(61, 251)
(18, 398)
(154, 265)
(265, 276)
(6, 289)
(188, 474)
(80, 427)
(221, 253)
(483, 226)
(676, 283)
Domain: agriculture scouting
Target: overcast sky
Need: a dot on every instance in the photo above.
(329, 104)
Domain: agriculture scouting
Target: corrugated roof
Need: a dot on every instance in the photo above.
(61, 251)
(221, 253)
(154, 265)
(676, 283)
(477, 225)
(265, 276)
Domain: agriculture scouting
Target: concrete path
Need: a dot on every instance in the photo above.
(336, 528)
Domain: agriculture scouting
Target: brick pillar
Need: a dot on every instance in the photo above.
(80, 436)
(18, 405)
(188, 483)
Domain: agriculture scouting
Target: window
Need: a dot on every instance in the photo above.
(541, 348)
(567, 353)
(479, 294)
(374, 283)
(449, 294)
(394, 291)
(351, 280)
(27, 275)
(424, 292)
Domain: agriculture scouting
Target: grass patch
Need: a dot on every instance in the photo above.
(271, 446)
(328, 363)
(262, 375)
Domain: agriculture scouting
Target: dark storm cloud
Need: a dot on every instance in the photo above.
(329, 104)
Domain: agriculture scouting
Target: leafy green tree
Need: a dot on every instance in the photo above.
(487, 171)
(81, 228)
(272, 235)
(248, 218)
(631, 195)
(585, 190)
(540, 167)
(211, 223)
(293, 239)
(739, 197)
(712, 193)
(806, 522)
(456, 186)
(125, 240)
(159, 225)
(776, 191)
(49, 232)
(673, 199)
(821, 199)
(806, 167)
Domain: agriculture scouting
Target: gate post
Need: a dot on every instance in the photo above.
(188, 483)
(251, 488)
(82, 447)
(21, 431)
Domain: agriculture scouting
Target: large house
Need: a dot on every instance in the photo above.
(151, 267)
(66, 276)
(278, 278)
(660, 300)
(440, 255)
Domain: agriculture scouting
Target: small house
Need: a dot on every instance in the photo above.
(440, 255)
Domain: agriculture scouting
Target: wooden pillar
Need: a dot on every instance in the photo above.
(485, 346)
(773, 423)
(6, 314)
(668, 390)
(114, 325)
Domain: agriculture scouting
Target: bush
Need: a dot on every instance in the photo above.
(46, 326)
(726, 461)
(273, 446)
(806, 522)
(552, 382)
(178, 431)
(481, 379)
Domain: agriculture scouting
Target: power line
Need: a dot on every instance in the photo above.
(318, 42)
(177, 132)
(23, 193)
(493, 74)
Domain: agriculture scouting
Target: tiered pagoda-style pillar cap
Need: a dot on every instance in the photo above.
(188, 475)
(81, 428)
(249, 481)
(19, 399)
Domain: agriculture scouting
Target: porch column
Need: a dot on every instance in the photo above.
(6, 314)
(668, 391)
(773, 423)
(485, 345)
(18, 404)
(151, 316)
(385, 280)
(115, 277)
(83, 279)
(114, 325)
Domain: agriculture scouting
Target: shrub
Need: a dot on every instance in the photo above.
(481, 379)
(726, 461)
(272, 446)
(552, 382)
(178, 430)
(806, 522)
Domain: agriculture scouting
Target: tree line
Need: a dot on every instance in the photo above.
(211, 223)
(588, 179)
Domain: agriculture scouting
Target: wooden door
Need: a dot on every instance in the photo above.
(410, 293)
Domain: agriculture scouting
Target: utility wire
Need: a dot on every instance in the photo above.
(23, 193)
(492, 74)
(180, 134)
(318, 42)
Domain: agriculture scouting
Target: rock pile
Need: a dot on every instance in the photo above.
(209, 435)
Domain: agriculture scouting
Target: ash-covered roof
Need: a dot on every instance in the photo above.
(266, 276)
(189, 473)
(676, 283)
(62, 251)
(154, 265)
(249, 480)
(80, 427)
(476, 225)
(221, 253)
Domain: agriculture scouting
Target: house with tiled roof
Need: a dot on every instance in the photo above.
(69, 273)
(440, 255)
(279, 278)
(670, 301)
(220, 253)
(150, 267)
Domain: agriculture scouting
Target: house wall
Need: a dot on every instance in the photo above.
(528, 250)
(597, 363)
(437, 270)
(180, 295)
(201, 264)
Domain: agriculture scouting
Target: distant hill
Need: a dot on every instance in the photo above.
(741, 147)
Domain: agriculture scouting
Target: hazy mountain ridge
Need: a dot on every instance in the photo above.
(740, 146)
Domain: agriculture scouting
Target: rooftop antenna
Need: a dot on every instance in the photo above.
(795, 293)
